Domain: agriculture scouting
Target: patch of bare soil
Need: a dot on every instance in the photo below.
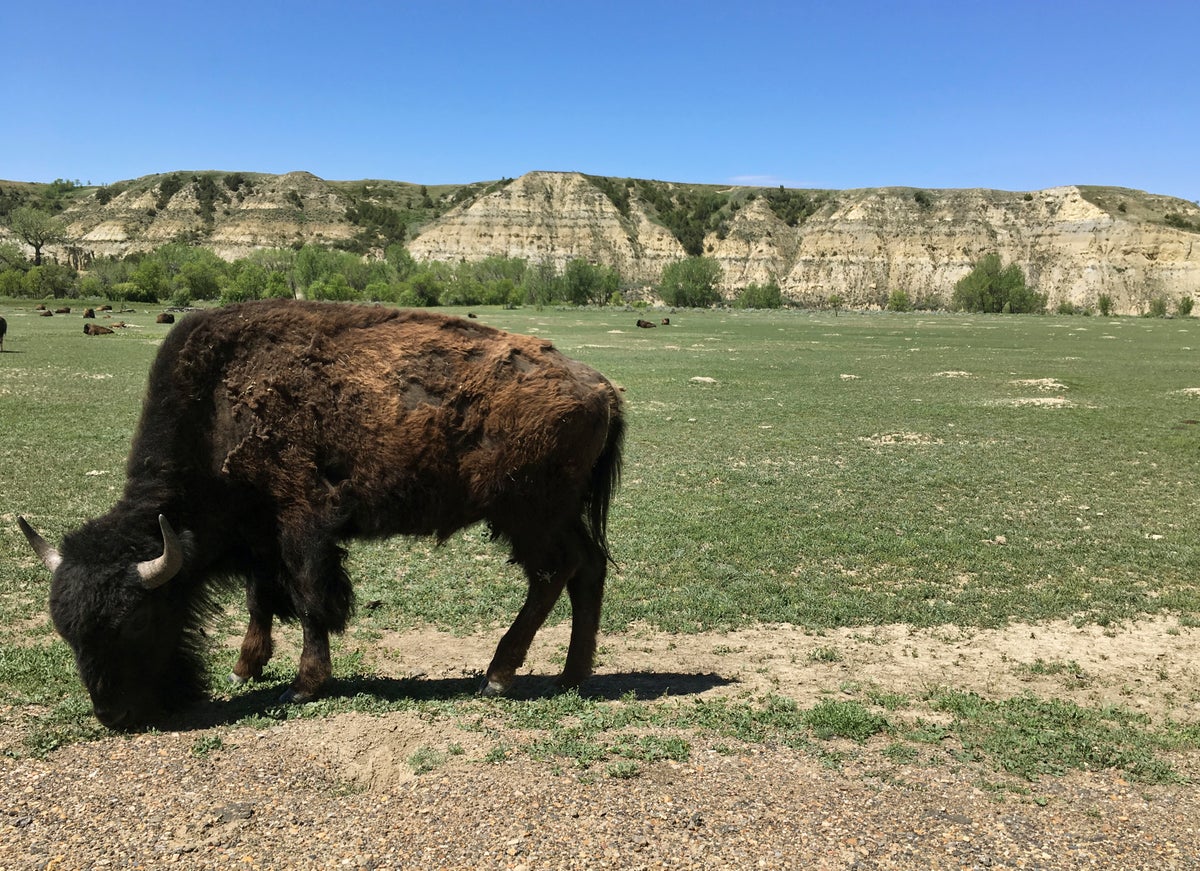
(342, 791)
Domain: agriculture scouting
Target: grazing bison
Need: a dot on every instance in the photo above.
(96, 330)
(3, 330)
(272, 432)
(646, 325)
(165, 318)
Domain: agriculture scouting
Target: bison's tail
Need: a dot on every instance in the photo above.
(606, 475)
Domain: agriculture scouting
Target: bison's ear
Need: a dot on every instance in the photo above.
(48, 555)
(156, 572)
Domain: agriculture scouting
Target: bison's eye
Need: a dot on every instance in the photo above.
(136, 625)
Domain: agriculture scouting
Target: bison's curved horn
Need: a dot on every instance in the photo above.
(46, 553)
(156, 572)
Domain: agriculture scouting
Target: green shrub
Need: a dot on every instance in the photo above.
(991, 287)
(1105, 303)
(1184, 307)
(587, 283)
(691, 283)
(898, 301)
(760, 296)
(423, 289)
(167, 188)
(49, 280)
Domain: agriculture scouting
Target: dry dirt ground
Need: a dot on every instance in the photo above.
(341, 792)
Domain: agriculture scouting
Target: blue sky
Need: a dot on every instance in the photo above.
(1014, 95)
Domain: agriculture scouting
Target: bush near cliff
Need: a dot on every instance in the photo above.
(691, 283)
(760, 296)
(993, 288)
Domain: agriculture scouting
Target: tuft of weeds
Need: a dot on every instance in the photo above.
(837, 719)
(825, 654)
(1071, 672)
(205, 745)
(1031, 737)
(426, 759)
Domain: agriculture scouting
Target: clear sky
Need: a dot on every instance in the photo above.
(928, 93)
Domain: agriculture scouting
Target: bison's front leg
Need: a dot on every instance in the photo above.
(316, 665)
(323, 599)
(586, 589)
(257, 645)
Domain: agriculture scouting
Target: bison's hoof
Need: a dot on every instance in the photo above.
(494, 686)
(296, 697)
(565, 682)
(236, 679)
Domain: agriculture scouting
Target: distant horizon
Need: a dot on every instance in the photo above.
(742, 184)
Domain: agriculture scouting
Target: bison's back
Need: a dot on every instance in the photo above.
(384, 420)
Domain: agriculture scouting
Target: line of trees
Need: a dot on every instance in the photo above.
(182, 274)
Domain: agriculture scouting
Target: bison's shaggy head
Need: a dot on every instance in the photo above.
(126, 624)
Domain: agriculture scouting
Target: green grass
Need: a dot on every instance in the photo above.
(830, 471)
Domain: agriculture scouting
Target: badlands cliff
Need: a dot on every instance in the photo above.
(1074, 243)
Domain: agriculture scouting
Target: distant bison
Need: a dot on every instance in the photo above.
(646, 325)
(666, 322)
(165, 318)
(65, 310)
(89, 313)
(3, 330)
(272, 432)
(96, 330)
(105, 308)
(45, 313)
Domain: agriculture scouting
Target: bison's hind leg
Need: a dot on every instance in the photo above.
(551, 562)
(586, 589)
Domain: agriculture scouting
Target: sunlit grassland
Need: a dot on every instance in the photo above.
(874, 468)
(794, 467)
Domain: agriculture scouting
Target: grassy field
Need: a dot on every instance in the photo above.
(792, 467)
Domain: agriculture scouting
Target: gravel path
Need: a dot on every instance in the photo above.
(340, 792)
(274, 799)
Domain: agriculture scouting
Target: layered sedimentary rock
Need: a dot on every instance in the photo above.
(859, 245)
(551, 217)
(1074, 243)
